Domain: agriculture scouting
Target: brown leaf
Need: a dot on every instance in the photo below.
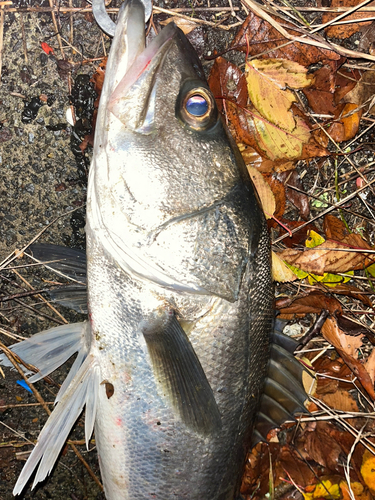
(340, 399)
(364, 91)
(298, 199)
(346, 346)
(370, 366)
(314, 302)
(299, 237)
(322, 448)
(258, 36)
(325, 258)
(334, 228)
(352, 291)
(344, 31)
(346, 127)
(298, 469)
(278, 191)
(227, 81)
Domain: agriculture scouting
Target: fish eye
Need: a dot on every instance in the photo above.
(196, 107)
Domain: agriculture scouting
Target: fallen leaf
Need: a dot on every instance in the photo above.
(186, 25)
(343, 31)
(264, 191)
(325, 258)
(299, 199)
(346, 126)
(267, 82)
(346, 346)
(334, 228)
(227, 81)
(325, 489)
(280, 271)
(322, 447)
(370, 366)
(364, 91)
(368, 470)
(314, 302)
(299, 237)
(257, 36)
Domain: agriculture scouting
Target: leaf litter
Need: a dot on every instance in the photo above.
(291, 108)
(302, 113)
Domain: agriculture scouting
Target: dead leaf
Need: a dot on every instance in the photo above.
(264, 191)
(325, 258)
(313, 302)
(280, 271)
(227, 81)
(346, 346)
(299, 237)
(345, 127)
(344, 31)
(257, 36)
(323, 448)
(334, 228)
(370, 366)
(186, 25)
(298, 199)
(364, 91)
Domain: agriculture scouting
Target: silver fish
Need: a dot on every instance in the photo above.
(172, 362)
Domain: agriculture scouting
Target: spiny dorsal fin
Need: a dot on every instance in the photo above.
(179, 373)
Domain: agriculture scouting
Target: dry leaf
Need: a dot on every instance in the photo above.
(313, 302)
(370, 365)
(346, 347)
(364, 91)
(280, 271)
(325, 258)
(367, 470)
(185, 25)
(257, 36)
(264, 191)
(298, 199)
(334, 228)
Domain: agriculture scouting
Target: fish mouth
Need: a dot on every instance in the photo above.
(142, 60)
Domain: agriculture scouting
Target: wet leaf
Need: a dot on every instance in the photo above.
(322, 448)
(346, 126)
(344, 31)
(227, 81)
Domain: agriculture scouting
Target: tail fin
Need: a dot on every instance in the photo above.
(48, 350)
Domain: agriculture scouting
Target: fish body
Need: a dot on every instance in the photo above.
(172, 362)
(174, 230)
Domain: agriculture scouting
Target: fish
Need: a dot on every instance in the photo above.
(173, 365)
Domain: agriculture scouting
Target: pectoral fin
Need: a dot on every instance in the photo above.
(179, 374)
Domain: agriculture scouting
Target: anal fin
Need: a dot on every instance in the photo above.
(179, 374)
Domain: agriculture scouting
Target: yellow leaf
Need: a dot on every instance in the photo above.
(325, 489)
(280, 271)
(368, 470)
(266, 82)
(314, 239)
(298, 272)
(264, 191)
(278, 143)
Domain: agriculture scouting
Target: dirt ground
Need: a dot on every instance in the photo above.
(42, 183)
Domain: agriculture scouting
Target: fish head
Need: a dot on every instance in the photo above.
(166, 175)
